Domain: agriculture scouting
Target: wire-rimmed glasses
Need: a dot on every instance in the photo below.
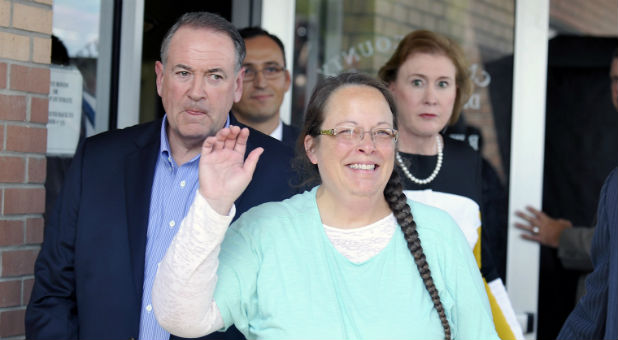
(269, 72)
(381, 136)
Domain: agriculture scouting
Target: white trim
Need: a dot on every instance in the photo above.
(130, 62)
(527, 140)
(104, 67)
(278, 19)
(496, 287)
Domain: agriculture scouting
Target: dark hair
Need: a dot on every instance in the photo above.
(393, 192)
(615, 54)
(255, 31)
(59, 53)
(424, 41)
(209, 21)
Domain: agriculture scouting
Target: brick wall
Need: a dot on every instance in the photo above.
(593, 17)
(25, 46)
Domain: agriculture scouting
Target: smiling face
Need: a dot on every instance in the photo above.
(425, 92)
(198, 85)
(353, 169)
(262, 97)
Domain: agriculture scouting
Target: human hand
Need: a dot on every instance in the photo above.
(223, 172)
(541, 228)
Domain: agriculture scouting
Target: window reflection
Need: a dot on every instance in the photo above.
(73, 76)
(76, 25)
(333, 37)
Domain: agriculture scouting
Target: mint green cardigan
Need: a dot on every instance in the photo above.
(279, 277)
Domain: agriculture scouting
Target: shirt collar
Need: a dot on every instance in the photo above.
(278, 132)
(165, 150)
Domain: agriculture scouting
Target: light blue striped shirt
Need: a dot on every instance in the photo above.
(173, 190)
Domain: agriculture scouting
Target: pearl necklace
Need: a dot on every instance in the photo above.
(433, 174)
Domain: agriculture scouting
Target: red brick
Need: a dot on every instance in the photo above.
(18, 262)
(10, 293)
(39, 110)
(24, 201)
(13, 169)
(12, 107)
(27, 291)
(11, 233)
(26, 139)
(30, 79)
(2, 75)
(12, 322)
(36, 170)
(34, 230)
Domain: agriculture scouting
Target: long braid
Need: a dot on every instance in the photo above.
(393, 192)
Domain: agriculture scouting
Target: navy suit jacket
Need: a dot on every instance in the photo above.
(289, 136)
(596, 314)
(90, 271)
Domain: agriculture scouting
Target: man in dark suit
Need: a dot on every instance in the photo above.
(266, 82)
(128, 190)
(596, 314)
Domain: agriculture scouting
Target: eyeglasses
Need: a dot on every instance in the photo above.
(354, 135)
(269, 72)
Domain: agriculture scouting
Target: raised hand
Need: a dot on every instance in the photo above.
(223, 172)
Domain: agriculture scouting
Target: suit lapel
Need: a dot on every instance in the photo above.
(139, 175)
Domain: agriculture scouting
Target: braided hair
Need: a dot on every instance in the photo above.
(393, 192)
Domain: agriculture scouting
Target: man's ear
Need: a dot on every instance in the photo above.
(238, 85)
(288, 80)
(310, 146)
(159, 70)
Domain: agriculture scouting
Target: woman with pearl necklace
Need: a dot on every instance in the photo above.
(428, 76)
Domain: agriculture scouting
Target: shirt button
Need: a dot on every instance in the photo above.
(149, 308)
(183, 183)
(172, 223)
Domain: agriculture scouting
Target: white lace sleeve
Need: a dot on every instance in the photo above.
(182, 295)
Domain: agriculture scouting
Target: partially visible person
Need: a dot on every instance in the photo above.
(265, 84)
(573, 243)
(127, 191)
(350, 259)
(596, 314)
(429, 78)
